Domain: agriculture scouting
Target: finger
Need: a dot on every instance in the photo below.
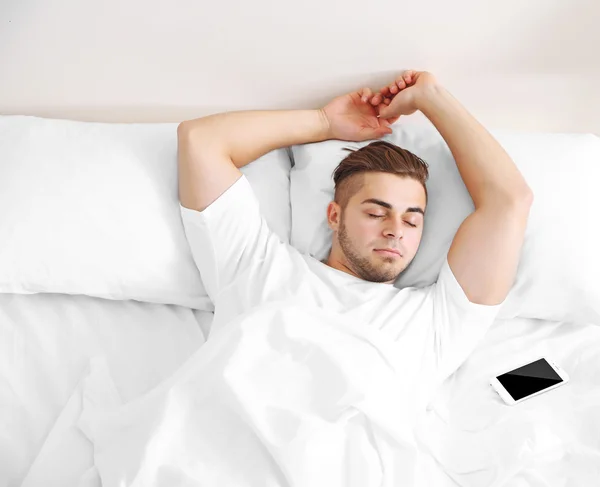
(392, 120)
(401, 84)
(385, 91)
(377, 134)
(383, 110)
(387, 101)
(408, 76)
(394, 89)
(377, 99)
(385, 127)
(366, 94)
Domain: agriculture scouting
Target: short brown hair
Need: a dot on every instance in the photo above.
(378, 156)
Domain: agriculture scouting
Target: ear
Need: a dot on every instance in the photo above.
(333, 215)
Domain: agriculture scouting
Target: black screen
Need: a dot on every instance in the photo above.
(529, 379)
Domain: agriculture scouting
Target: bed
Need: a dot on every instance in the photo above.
(103, 309)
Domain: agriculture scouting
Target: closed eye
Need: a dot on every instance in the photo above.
(381, 216)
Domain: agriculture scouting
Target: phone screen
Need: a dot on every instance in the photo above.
(529, 379)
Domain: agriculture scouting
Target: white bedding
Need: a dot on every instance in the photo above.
(551, 440)
(46, 342)
(467, 436)
(260, 405)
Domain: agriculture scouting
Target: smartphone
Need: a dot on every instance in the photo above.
(528, 380)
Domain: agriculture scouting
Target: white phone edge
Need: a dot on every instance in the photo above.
(506, 397)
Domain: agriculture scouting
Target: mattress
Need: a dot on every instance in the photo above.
(468, 436)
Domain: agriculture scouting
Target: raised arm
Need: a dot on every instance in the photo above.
(212, 149)
(485, 252)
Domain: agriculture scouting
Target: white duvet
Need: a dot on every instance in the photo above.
(278, 397)
(285, 399)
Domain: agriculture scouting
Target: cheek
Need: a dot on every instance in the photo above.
(361, 227)
(364, 235)
(415, 240)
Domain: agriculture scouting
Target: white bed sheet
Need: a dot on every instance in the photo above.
(469, 436)
(46, 343)
(551, 440)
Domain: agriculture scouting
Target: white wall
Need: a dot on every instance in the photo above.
(530, 65)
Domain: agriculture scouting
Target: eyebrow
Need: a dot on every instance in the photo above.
(411, 209)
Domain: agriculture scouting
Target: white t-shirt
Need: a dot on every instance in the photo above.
(243, 265)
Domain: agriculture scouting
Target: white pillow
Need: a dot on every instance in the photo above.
(93, 209)
(560, 262)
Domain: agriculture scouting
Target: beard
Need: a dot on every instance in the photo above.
(373, 268)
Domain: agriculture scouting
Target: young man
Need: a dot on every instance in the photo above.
(484, 254)
(379, 206)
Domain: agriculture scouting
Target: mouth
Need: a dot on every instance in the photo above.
(389, 253)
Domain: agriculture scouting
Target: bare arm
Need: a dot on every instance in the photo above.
(247, 135)
(212, 149)
(487, 170)
(485, 252)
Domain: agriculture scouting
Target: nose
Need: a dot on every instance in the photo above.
(393, 228)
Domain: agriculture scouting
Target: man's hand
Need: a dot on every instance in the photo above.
(401, 97)
(355, 117)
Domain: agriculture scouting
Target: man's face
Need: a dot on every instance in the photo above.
(364, 227)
